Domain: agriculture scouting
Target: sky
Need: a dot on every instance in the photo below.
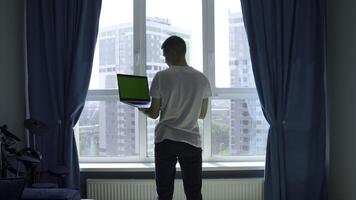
(189, 18)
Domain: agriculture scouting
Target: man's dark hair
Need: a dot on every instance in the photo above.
(175, 43)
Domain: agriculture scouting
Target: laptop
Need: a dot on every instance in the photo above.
(133, 90)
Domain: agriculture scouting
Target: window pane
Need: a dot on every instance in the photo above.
(165, 18)
(106, 129)
(231, 47)
(151, 124)
(114, 48)
(238, 128)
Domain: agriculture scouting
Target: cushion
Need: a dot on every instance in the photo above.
(50, 194)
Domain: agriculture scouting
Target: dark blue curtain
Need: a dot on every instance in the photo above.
(61, 37)
(287, 47)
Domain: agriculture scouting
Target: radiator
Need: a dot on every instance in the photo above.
(145, 189)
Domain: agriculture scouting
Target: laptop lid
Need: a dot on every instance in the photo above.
(133, 88)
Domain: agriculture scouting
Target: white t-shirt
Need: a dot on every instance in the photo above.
(181, 90)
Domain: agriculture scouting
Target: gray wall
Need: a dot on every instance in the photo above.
(341, 68)
(12, 98)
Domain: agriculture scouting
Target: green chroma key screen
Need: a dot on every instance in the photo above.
(133, 87)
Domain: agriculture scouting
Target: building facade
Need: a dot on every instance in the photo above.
(248, 126)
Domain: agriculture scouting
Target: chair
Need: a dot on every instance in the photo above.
(37, 128)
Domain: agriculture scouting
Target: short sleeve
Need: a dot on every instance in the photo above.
(155, 88)
(207, 91)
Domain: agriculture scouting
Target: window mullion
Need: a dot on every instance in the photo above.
(208, 67)
(139, 67)
(208, 41)
(207, 135)
(235, 92)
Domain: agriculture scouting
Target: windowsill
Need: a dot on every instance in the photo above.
(148, 167)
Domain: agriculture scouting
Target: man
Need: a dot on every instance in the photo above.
(180, 96)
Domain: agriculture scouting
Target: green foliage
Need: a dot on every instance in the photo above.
(220, 139)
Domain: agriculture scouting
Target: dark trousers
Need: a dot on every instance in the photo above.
(189, 157)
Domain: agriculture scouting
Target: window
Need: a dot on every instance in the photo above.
(129, 41)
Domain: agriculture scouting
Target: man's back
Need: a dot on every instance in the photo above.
(181, 90)
(179, 96)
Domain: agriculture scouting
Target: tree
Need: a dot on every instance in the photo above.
(220, 138)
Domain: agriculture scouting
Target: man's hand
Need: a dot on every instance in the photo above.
(142, 109)
(153, 111)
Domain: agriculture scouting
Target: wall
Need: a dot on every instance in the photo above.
(12, 61)
(341, 69)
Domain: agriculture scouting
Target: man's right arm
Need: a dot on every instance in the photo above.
(153, 110)
(204, 108)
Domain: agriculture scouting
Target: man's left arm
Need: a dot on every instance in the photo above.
(153, 110)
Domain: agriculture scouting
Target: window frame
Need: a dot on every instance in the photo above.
(139, 63)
